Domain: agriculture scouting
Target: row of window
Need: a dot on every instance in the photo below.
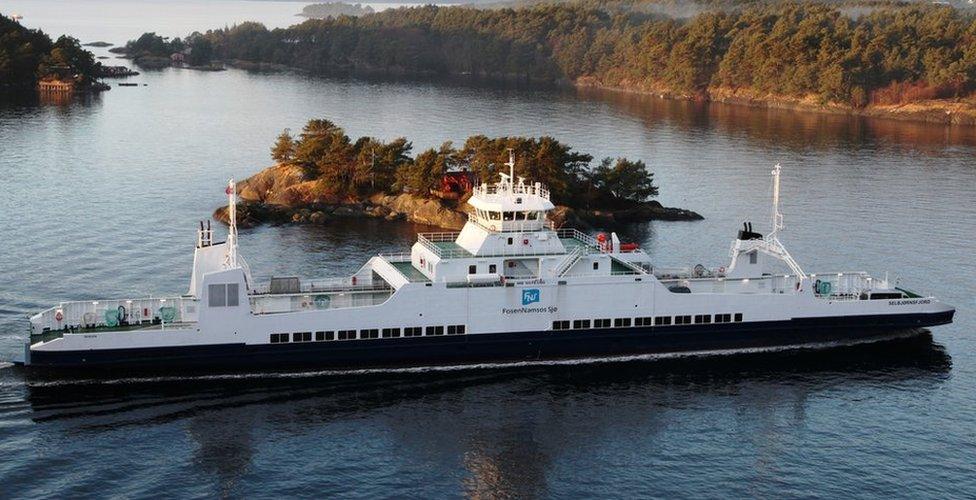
(367, 333)
(508, 216)
(697, 319)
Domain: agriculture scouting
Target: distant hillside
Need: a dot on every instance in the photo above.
(870, 56)
(335, 9)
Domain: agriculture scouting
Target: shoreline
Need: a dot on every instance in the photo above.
(960, 112)
(954, 112)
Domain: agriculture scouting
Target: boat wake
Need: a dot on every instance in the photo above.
(5, 364)
(502, 365)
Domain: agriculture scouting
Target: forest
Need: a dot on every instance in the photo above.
(27, 56)
(846, 53)
(367, 166)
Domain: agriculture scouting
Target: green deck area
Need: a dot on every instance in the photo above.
(571, 243)
(617, 268)
(452, 250)
(406, 268)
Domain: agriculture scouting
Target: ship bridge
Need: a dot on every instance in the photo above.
(508, 236)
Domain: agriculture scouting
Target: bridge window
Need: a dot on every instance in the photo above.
(412, 331)
(279, 338)
(435, 330)
(223, 295)
(321, 336)
(738, 317)
(703, 318)
(389, 333)
(509, 216)
(723, 318)
(601, 323)
(581, 323)
(621, 322)
(532, 215)
(301, 337)
(495, 215)
(492, 268)
(346, 335)
(645, 321)
(472, 269)
(682, 320)
(662, 320)
(455, 329)
(370, 333)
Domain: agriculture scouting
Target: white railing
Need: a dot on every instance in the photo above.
(568, 262)
(489, 191)
(115, 313)
(350, 284)
(576, 234)
(284, 303)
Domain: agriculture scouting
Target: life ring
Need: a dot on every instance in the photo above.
(58, 316)
(322, 301)
(167, 314)
(721, 270)
(525, 241)
(111, 317)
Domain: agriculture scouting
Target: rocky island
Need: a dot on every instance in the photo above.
(322, 175)
(30, 61)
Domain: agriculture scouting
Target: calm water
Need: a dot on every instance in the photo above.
(100, 199)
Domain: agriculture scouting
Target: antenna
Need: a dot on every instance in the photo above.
(511, 165)
(232, 220)
(777, 222)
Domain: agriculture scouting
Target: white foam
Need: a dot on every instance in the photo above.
(483, 366)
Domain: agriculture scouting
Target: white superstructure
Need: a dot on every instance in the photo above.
(508, 285)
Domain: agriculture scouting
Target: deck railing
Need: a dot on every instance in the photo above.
(430, 240)
(115, 313)
(488, 191)
(350, 284)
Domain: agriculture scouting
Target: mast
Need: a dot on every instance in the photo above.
(511, 166)
(777, 218)
(232, 222)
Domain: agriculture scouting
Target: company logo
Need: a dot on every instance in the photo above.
(530, 296)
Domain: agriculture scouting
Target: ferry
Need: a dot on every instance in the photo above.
(509, 287)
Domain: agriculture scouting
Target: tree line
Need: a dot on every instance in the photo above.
(198, 48)
(367, 165)
(835, 52)
(29, 55)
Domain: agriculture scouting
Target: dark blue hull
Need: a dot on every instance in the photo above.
(501, 347)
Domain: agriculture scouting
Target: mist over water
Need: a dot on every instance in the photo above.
(100, 199)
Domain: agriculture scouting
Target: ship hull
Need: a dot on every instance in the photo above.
(496, 347)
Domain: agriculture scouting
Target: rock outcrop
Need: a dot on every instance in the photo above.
(282, 194)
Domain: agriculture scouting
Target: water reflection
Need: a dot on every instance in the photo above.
(225, 445)
(505, 429)
(774, 128)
